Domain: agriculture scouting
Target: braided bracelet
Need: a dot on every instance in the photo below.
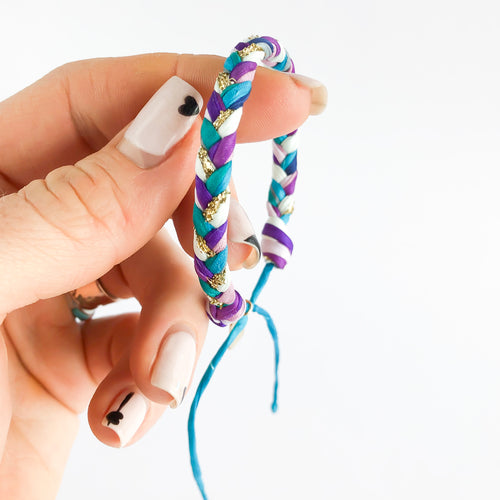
(225, 306)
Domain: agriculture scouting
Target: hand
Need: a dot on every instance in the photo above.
(100, 215)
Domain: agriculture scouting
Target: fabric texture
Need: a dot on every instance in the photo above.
(225, 305)
(213, 173)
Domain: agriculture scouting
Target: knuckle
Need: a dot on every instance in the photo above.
(62, 71)
(99, 193)
(83, 201)
(76, 79)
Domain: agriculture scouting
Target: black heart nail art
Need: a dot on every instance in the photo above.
(190, 106)
(114, 417)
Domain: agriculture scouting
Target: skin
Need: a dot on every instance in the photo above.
(75, 209)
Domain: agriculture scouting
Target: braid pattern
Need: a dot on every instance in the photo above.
(213, 173)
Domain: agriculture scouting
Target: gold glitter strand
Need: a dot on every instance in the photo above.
(215, 302)
(217, 279)
(223, 116)
(206, 163)
(215, 204)
(253, 47)
(202, 245)
(224, 80)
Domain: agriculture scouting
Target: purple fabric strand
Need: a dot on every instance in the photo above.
(215, 105)
(278, 235)
(242, 69)
(202, 193)
(227, 311)
(201, 269)
(221, 151)
(276, 210)
(280, 262)
(242, 45)
(291, 187)
(214, 236)
(272, 42)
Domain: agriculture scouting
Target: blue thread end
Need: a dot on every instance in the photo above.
(233, 334)
(274, 334)
(79, 314)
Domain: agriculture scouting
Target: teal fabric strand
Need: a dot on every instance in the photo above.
(207, 376)
(261, 283)
(274, 335)
(195, 464)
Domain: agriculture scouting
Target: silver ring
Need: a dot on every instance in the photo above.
(83, 301)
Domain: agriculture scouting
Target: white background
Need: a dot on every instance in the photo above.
(388, 311)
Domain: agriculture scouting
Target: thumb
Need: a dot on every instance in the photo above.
(68, 229)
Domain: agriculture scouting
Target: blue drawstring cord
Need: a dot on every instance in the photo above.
(233, 334)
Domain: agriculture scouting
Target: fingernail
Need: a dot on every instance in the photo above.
(126, 415)
(319, 94)
(161, 123)
(240, 230)
(174, 365)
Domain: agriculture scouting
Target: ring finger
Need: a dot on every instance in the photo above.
(157, 368)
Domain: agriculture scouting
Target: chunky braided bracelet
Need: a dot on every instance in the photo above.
(213, 172)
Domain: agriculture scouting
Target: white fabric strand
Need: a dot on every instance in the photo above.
(286, 204)
(231, 123)
(218, 90)
(279, 174)
(221, 215)
(197, 202)
(277, 222)
(227, 281)
(270, 245)
(291, 143)
(198, 251)
(199, 170)
(266, 49)
(276, 59)
(270, 210)
(256, 57)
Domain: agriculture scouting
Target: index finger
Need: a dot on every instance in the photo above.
(77, 108)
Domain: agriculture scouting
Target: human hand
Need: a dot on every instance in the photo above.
(99, 215)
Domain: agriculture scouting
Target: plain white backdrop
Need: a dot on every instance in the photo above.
(389, 310)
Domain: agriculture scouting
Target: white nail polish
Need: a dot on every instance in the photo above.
(319, 93)
(174, 365)
(126, 415)
(241, 230)
(161, 123)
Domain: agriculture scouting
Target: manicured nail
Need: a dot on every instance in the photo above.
(126, 415)
(174, 365)
(319, 94)
(240, 230)
(161, 123)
